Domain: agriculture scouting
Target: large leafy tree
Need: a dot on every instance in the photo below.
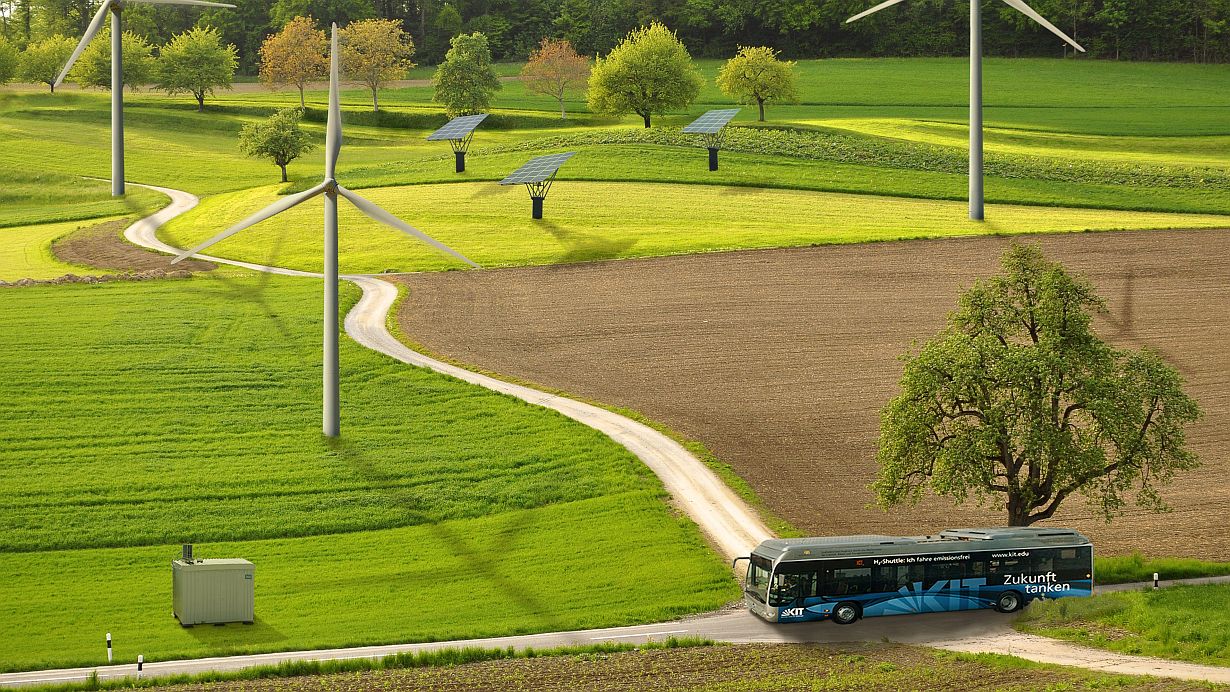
(42, 61)
(755, 75)
(554, 69)
(649, 73)
(8, 62)
(1019, 404)
(295, 55)
(466, 81)
(196, 62)
(278, 138)
(375, 52)
(93, 68)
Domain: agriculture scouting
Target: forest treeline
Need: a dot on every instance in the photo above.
(1172, 30)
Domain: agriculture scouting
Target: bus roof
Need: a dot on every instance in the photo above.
(948, 541)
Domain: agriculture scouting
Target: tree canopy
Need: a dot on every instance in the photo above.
(374, 52)
(196, 62)
(554, 69)
(277, 138)
(649, 73)
(1019, 404)
(93, 68)
(755, 75)
(8, 62)
(295, 55)
(42, 61)
(466, 81)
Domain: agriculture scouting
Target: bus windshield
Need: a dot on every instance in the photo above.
(758, 578)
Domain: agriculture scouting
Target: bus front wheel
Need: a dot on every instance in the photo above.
(1008, 602)
(846, 613)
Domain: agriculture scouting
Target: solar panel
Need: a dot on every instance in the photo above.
(537, 169)
(711, 121)
(457, 128)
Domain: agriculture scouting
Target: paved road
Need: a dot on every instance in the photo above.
(723, 517)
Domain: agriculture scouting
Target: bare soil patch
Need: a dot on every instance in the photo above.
(103, 247)
(743, 667)
(781, 360)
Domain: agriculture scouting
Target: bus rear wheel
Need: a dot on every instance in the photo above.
(846, 613)
(1008, 602)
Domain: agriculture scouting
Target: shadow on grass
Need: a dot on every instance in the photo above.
(585, 247)
(234, 634)
(482, 561)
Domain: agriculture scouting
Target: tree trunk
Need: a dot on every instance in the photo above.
(375, 101)
(200, 102)
(53, 86)
(283, 167)
(646, 117)
(760, 102)
(562, 114)
(302, 104)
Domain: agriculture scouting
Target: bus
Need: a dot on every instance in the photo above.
(847, 578)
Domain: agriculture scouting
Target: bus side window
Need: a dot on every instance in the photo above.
(1072, 563)
(975, 569)
(1043, 562)
(848, 582)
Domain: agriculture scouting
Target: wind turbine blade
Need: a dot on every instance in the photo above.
(275, 208)
(95, 24)
(877, 8)
(1028, 11)
(388, 219)
(199, 3)
(333, 133)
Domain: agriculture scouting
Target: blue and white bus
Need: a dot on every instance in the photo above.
(846, 578)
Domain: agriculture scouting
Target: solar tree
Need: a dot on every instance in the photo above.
(712, 127)
(458, 131)
(538, 174)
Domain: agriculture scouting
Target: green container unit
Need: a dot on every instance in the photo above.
(213, 591)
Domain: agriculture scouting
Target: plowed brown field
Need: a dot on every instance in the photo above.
(781, 360)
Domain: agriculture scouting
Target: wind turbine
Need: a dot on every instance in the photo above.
(330, 189)
(116, 8)
(975, 86)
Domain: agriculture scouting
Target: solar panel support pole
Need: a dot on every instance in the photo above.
(537, 213)
(713, 158)
(461, 161)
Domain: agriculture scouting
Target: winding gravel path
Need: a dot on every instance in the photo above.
(724, 518)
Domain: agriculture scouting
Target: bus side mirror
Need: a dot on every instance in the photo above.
(735, 562)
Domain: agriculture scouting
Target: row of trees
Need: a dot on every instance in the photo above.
(1188, 30)
(194, 62)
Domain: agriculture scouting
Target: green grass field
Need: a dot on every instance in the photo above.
(147, 414)
(492, 226)
(144, 415)
(25, 251)
(1188, 623)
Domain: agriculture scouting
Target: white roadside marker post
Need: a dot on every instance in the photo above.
(140, 664)
(108, 648)
(1155, 584)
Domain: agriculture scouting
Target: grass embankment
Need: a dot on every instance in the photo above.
(714, 668)
(144, 415)
(1189, 623)
(1128, 569)
(25, 251)
(492, 225)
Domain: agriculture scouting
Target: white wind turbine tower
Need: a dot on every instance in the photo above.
(116, 7)
(330, 189)
(975, 86)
